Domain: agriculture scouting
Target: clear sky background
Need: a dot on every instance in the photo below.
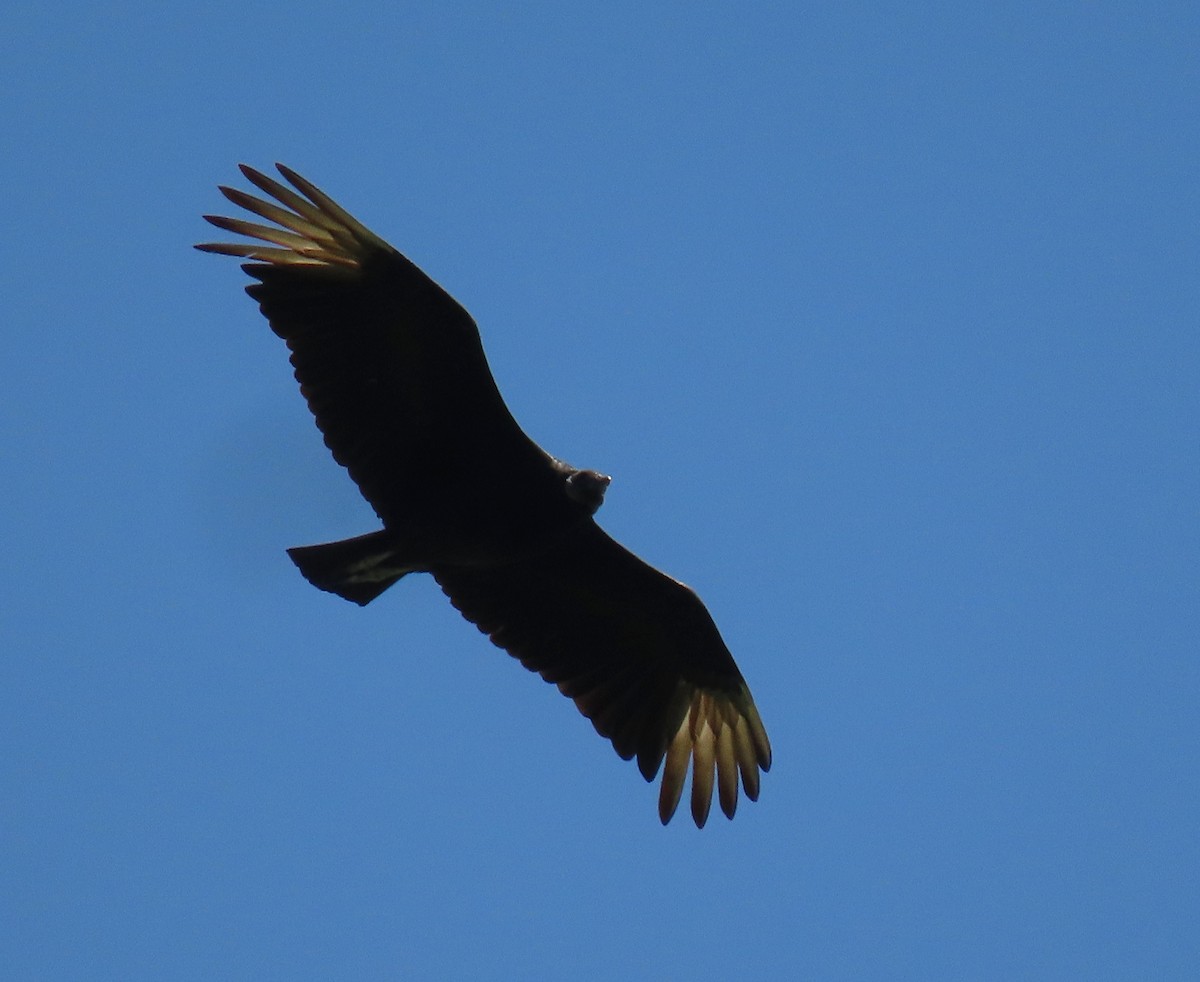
(883, 316)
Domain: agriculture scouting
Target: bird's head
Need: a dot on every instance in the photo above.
(587, 488)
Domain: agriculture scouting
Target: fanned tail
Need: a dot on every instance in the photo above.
(357, 569)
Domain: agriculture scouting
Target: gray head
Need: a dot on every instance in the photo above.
(587, 488)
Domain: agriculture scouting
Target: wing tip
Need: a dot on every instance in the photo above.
(723, 738)
(313, 229)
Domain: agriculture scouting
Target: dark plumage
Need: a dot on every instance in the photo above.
(394, 372)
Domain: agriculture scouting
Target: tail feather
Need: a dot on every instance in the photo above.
(357, 569)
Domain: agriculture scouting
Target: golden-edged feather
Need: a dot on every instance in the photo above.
(321, 231)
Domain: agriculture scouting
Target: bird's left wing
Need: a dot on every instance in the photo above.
(391, 366)
(639, 654)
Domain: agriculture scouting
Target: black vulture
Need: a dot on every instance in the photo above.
(394, 372)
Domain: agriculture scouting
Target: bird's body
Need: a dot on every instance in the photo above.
(394, 372)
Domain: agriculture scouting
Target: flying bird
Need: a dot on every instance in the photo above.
(394, 372)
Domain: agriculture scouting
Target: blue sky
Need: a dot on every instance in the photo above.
(884, 319)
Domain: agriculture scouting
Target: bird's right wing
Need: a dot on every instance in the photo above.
(639, 654)
(391, 366)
